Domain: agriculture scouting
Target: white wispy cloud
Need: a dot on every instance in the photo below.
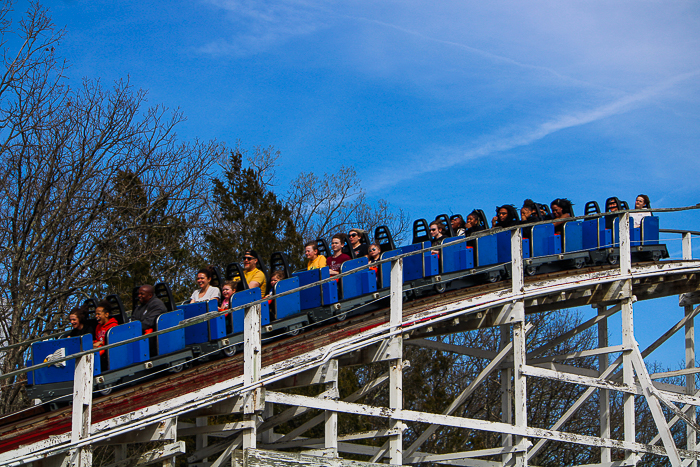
(451, 157)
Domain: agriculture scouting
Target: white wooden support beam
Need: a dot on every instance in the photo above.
(506, 375)
(201, 438)
(518, 459)
(653, 398)
(331, 423)
(628, 371)
(396, 365)
(628, 340)
(459, 400)
(573, 332)
(625, 244)
(297, 411)
(252, 362)
(519, 387)
(516, 254)
(603, 394)
(82, 411)
(467, 423)
(478, 453)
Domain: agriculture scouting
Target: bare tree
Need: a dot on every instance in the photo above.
(322, 206)
(64, 153)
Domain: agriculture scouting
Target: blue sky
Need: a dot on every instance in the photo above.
(438, 105)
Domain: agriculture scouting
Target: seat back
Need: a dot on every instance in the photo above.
(279, 261)
(383, 238)
(321, 295)
(199, 333)
(126, 354)
(359, 283)
(421, 232)
(431, 261)
(216, 279)
(486, 250)
(573, 237)
(166, 295)
(243, 298)
(174, 340)
(289, 305)
(323, 248)
(543, 240)
(591, 208)
(234, 272)
(118, 311)
(650, 230)
(412, 265)
(456, 256)
(53, 374)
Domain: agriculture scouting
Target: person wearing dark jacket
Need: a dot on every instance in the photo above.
(79, 322)
(474, 224)
(150, 308)
(506, 216)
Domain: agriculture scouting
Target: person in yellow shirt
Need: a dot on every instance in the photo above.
(316, 261)
(253, 276)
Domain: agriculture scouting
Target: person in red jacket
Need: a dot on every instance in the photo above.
(104, 323)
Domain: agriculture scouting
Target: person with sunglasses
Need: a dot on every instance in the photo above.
(437, 234)
(374, 253)
(360, 249)
(253, 276)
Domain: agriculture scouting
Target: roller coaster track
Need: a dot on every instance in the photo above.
(149, 411)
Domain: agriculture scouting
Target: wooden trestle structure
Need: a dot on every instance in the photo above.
(251, 383)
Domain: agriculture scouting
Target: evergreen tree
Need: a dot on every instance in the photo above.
(248, 215)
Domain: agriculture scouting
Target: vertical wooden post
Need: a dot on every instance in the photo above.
(201, 440)
(506, 375)
(252, 365)
(396, 364)
(691, 435)
(331, 426)
(628, 340)
(82, 410)
(603, 394)
(625, 244)
(519, 382)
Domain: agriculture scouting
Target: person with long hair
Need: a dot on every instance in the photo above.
(79, 322)
(206, 291)
(355, 237)
(641, 202)
(561, 208)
